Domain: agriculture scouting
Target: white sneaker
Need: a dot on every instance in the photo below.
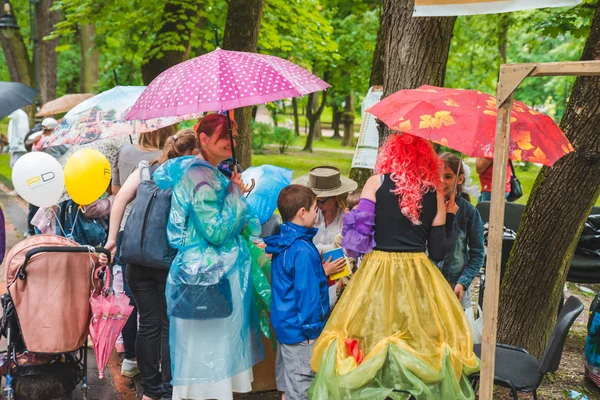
(129, 368)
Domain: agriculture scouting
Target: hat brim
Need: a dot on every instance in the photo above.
(348, 185)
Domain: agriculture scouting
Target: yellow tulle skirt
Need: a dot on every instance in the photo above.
(411, 331)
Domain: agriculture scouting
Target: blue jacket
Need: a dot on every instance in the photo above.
(466, 252)
(300, 302)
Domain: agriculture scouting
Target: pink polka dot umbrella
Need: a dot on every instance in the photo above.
(222, 80)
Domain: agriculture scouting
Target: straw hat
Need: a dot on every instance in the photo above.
(326, 182)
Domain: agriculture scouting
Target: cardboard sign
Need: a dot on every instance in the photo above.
(367, 146)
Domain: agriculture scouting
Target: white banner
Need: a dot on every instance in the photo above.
(443, 8)
(365, 154)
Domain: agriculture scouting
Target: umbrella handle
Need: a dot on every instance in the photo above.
(249, 187)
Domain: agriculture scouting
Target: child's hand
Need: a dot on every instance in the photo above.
(459, 291)
(334, 267)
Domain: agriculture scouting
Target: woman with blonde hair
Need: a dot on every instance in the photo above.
(398, 330)
(148, 148)
(147, 283)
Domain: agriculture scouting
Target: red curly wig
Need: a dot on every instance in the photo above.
(414, 168)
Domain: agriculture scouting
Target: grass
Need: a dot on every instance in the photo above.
(301, 162)
(5, 170)
(323, 143)
(326, 117)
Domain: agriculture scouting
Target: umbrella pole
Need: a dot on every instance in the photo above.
(457, 173)
(231, 141)
(492, 285)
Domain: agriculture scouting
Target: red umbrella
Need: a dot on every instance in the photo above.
(109, 315)
(465, 120)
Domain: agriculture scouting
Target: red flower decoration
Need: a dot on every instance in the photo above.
(353, 350)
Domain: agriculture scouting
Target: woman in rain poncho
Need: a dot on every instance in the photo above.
(214, 336)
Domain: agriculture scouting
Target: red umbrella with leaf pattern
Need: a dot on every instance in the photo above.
(465, 120)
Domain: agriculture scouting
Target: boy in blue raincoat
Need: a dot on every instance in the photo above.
(300, 302)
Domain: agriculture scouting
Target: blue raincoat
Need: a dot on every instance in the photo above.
(208, 214)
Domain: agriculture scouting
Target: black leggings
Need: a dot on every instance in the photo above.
(152, 344)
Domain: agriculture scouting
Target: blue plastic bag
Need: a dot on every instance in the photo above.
(269, 181)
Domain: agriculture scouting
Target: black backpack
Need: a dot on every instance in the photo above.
(145, 237)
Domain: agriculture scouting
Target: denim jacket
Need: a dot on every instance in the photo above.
(466, 249)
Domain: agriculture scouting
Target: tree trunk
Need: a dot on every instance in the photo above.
(241, 34)
(416, 48)
(171, 42)
(274, 116)
(45, 19)
(296, 119)
(318, 135)
(560, 202)
(336, 119)
(348, 120)
(89, 58)
(378, 63)
(503, 26)
(313, 117)
(20, 66)
(415, 53)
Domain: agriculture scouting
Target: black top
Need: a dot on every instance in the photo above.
(396, 233)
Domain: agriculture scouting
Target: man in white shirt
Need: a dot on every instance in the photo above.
(18, 126)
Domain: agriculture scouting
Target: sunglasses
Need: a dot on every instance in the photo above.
(322, 202)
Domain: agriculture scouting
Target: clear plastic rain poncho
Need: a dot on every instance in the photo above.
(214, 328)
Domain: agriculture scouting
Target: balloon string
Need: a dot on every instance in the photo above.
(74, 223)
(58, 221)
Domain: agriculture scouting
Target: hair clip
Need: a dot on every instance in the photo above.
(174, 138)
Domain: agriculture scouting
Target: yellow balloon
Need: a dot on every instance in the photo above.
(87, 175)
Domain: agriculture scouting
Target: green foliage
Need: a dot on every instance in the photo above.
(284, 137)
(575, 20)
(475, 59)
(356, 35)
(261, 135)
(299, 31)
(177, 13)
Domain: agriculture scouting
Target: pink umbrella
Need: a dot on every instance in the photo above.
(222, 80)
(109, 315)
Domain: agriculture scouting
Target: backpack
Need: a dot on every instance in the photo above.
(145, 239)
(79, 228)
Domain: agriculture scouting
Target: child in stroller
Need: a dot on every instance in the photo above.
(46, 316)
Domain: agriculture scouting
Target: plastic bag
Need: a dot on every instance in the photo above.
(476, 323)
(269, 180)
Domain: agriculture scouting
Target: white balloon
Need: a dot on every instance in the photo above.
(39, 179)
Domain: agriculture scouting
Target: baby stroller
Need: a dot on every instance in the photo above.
(46, 315)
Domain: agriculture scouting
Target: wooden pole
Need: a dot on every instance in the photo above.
(492, 284)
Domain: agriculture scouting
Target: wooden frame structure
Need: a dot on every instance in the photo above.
(511, 76)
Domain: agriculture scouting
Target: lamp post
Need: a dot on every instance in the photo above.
(36, 48)
(7, 17)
